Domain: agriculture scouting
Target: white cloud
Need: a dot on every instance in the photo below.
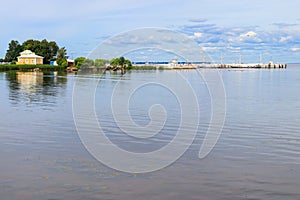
(210, 49)
(250, 36)
(284, 39)
(198, 35)
(295, 49)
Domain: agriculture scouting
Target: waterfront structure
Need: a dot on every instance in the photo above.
(269, 65)
(173, 62)
(53, 63)
(71, 63)
(28, 57)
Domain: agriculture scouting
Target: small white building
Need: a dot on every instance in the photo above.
(173, 62)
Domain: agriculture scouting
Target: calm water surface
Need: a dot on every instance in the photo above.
(257, 156)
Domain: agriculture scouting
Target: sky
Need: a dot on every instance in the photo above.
(232, 28)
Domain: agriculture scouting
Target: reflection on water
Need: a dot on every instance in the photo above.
(28, 81)
(35, 87)
(257, 156)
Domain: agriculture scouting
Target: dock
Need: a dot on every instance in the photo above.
(269, 65)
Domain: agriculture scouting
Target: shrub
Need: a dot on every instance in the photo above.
(64, 63)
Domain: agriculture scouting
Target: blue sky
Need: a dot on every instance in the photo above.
(231, 28)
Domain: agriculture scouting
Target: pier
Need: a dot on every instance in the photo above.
(269, 65)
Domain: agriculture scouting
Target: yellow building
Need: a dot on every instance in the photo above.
(27, 57)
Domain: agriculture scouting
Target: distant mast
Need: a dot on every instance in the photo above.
(260, 59)
(221, 59)
(240, 60)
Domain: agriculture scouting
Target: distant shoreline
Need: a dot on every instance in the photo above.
(10, 67)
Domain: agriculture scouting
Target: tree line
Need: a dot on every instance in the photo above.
(115, 62)
(51, 52)
(47, 49)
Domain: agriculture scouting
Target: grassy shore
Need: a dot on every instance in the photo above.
(31, 67)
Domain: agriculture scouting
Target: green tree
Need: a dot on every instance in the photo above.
(115, 62)
(52, 48)
(43, 48)
(48, 50)
(32, 45)
(61, 56)
(79, 61)
(88, 63)
(13, 51)
(120, 62)
(64, 63)
(101, 62)
(128, 63)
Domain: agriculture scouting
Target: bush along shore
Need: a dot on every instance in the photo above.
(10, 67)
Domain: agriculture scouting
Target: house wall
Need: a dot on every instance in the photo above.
(30, 61)
(39, 61)
(71, 64)
(21, 61)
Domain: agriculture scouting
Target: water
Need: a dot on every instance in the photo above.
(256, 157)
